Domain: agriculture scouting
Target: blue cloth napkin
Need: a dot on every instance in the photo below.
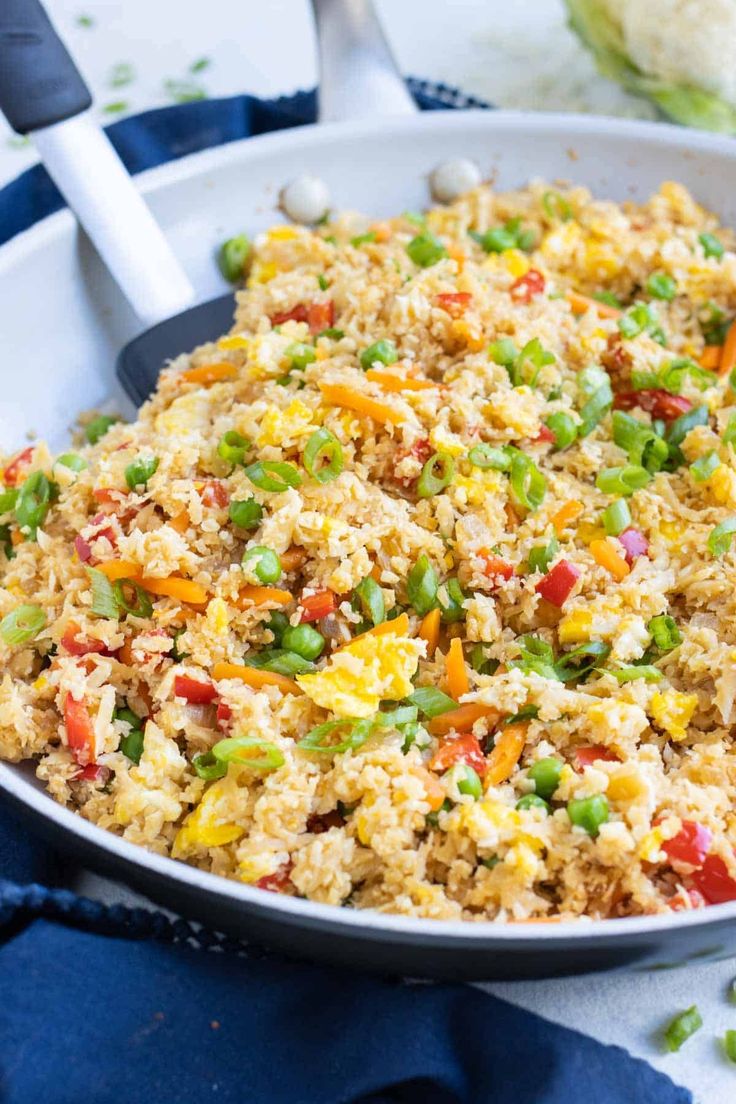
(110, 1004)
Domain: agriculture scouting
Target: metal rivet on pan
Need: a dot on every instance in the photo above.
(305, 199)
(453, 178)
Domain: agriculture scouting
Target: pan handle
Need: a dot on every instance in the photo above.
(358, 75)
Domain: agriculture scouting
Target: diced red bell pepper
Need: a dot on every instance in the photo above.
(634, 543)
(16, 469)
(316, 606)
(83, 550)
(714, 881)
(454, 302)
(224, 715)
(321, 316)
(80, 733)
(545, 436)
(459, 749)
(194, 691)
(658, 403)
(77, 645)
(496, 568)
(93, 772)
(278, 881)
(690, 845)
(214, 493)
(296, 314)
(590, 753)
(526, 287)
(557, 584)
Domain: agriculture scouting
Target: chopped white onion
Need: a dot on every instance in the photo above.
(305, 199)
(453, 178)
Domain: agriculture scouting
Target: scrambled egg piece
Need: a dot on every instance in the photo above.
(205, 826)
(673, 710)
(284, 427)
(360, 676)
(187, 417)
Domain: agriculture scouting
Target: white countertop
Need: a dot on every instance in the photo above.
(515, 55)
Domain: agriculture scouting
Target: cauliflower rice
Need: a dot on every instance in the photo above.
(433, 550)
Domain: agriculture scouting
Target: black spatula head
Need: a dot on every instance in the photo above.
(141, 360)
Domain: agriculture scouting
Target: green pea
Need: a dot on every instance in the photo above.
(304, 640)
(588, 813)
(533, 801)
(545, 774)
(266, 564)
(383, 352)
(232, 258)
(246, 514)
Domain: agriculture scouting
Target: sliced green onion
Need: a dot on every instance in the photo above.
(422, 585)
(480, 662)
(131, 745)
(71, 461)
(719, 539)
(362, 239)
(509, 236)
(541, 556)
(703, 468)
(278, 623)
(533, 801)
(323, 446)
(332, 332)
(22, 624)
(661, 286)
(128, 716)
(304, 640)
(393, 718)
(486, 456)
(273, 475)
(140, 607)
(563, 427)
(556, 206)
(208, 768)
(452, 606)
(140, 471)
(8, 499)
(232, 258)
(588, 813)
(545, 774)
(577, 664)
(241, 749)
(280, 662)
(369, 597)
(436, 474)
(300, 355)
(246, 514)
(426, 250)
(33, 503)
(681, 426)
(528, 485)
(104, 603)
(323, 282)
(644, 447)
(679, 1030)
(532, 354)
(608, 298)
(266, 564)
(381, 352)
(712, 247)
(641, 318)
(633, 672)
(623, 480)
(503, 352)
(729, 1044)
(233, 446)
(431, 702)
(356, 731)
(664, 632)
(98, 427)
(536, 657)
(616, 517)
(729, 438)
(672, 376)
(595, 386)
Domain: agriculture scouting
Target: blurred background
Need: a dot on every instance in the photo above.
(139, 54)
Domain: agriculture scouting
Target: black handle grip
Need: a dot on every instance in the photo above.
(39, 82)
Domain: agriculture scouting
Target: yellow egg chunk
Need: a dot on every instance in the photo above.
(363, 674)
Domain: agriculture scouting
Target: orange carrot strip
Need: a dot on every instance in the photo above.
(463, 718)
(458, 682)
(399, 626)
(120, 569)
(390, 382)
(340, 395)
(209, 373)
(728, 352)
(581, 303)
(429, 630)
(293, 558)
(606, 555)
(710, 358)
(566, 514)
(262, 596)
(253, 677)
(184, 590)
(180, 522)
(506, 753)
(433, 789)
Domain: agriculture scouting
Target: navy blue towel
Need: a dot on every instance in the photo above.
(109, 1005)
